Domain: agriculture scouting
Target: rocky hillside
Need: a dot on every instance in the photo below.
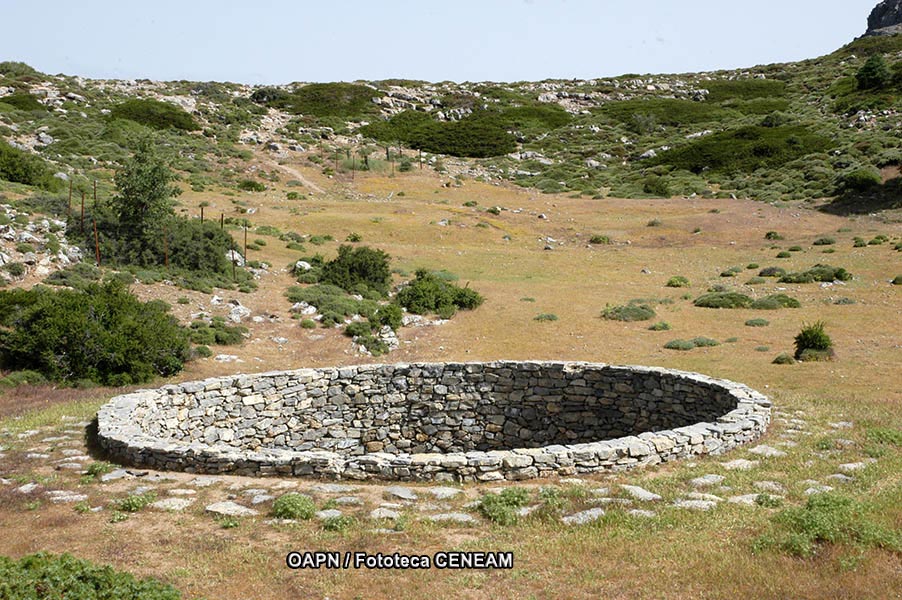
(782, 132)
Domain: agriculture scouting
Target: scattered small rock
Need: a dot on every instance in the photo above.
(586, 516)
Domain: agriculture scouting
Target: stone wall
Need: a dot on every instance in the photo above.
(443, 422)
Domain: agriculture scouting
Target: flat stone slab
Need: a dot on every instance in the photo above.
(181, 492)
(638, 512)
(74, 452)
(818, 489)
(325, 515)
(61, 496)
(840, 478)
(173, 504)
(349, 501)
(705, 497)
(461, 518)
(746, 499)
(852, 467)
(583, 517)
(767, 451)
(203, 482)
(401, 492)
(285, 485)
(842, 425)
(70, 466)
(332, 488)
(706, 481)
(740, 464)
(28, 488)
(231, 509)
(601, 491)
(641, 494)
(770, 486)
(572, 481)
(385, 513)
(621, 501)
(36, 456)
(261, 498)
(525, 511)
(702, 505)
(443, 493)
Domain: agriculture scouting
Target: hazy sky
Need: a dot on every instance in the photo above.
(279, 41)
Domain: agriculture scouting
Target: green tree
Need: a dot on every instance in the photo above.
(145, 190)
(875, 74)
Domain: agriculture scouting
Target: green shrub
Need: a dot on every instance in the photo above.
(22, 101)
(656, 185)
(772, 272)
(744, 89)
(47, 576)
(772, 235)
(217, 332)
(681, 345)
(859, 243)
(756, 281)
(824, 241)
(134, 503)
(250, 185)
(103, 334)
(784, 359)
(812, 337)
(752, 266)
(723, 300)
(344, 100)
(19, 166)
(155, 114)
(704, 342)
(628, 313)
(17, 378)
(784, 254)
(662, 326)
(775, 302)
(600, 240)
(897, 280)
(333, 303)
(874, 74)
(358, 269)
(878, 240)
(818, 273)
(353, 237)
(16, 269)
(293, 506)
(678, 281)
(654, 223)
(828, 519)
(501, 508)
(339, 524)
(795, 248)
(757, 323)
(545, 317)
(308, 324)
(744, 150)
(860, 180)
(428, 293)
(202, 351)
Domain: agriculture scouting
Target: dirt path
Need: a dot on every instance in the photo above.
(299, 176)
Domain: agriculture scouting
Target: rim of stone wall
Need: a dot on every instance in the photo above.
(119, 434)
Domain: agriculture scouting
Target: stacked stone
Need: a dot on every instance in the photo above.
(433, 422)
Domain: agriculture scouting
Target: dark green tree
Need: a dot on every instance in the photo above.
(875, 74)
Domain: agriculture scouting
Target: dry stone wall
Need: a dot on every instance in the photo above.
(442, 422)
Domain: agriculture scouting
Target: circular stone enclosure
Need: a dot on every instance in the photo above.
(433, 422)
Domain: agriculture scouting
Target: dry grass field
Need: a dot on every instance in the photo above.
(826, 413)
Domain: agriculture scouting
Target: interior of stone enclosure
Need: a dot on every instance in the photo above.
(433, 408)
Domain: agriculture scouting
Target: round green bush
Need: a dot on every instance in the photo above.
(681, 345)
(772, 272)
(897, 280)
(775, 302)
(628, 313)
(784, 359)
(678, 281)
(308, 324)
(723, 300)
(293, 506)
(824, 241)
(784, 254)
(662, 326)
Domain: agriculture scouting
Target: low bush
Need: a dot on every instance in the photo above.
(773, 235)
(824, 241)
(814, 340)
(756, 281)
(103, 334)
(332, 302)
(428, 293)
(47, 576)
(134, 502)
(818, 273)
(217, 332)
(827, 519)
(723, 300)
(897, 280)
(545, 317)
(250, 185)
(704, 342)
(600, 240)
(784, 359)
(502, 508)
(678, 281)
(155, 114)
(16, 269)
(775, 302)
(19, 166)
(772, 272)
(293, 506)
(628, 313)
(358, 270)
(784, 254)
(662, 326)
(681, 345)
(757, 323)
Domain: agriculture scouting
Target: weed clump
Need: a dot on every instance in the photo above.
(293, 506)
(723, 300)
(813, 343)
(501, 508)
(677, 281)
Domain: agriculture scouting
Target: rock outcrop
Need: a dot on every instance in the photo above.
(886, 18)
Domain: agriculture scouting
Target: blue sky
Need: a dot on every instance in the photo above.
(276, 41)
